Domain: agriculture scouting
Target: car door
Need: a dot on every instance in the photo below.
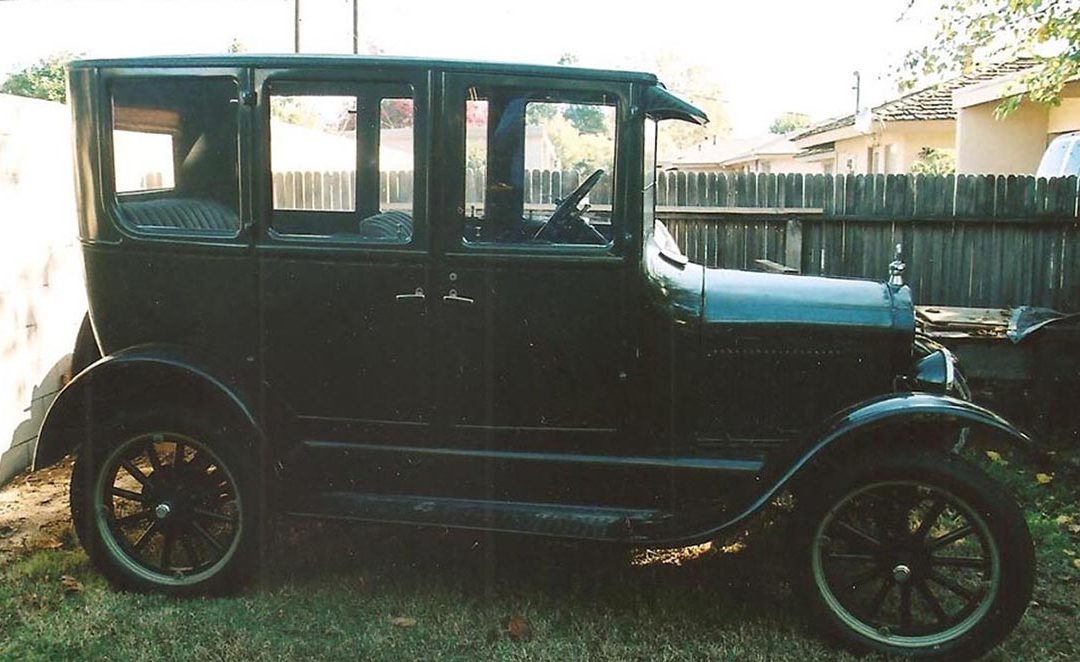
(344, 265)
(532, 320)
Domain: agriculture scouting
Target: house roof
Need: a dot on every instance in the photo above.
(931, 103)
(736, 150)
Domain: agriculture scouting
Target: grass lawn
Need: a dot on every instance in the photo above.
(335, 591)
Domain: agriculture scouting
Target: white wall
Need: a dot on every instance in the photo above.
(1012, 146)
(42, 296)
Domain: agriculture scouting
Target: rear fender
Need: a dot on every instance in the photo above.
(140, 377)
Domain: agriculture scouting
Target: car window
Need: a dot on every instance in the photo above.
(539, 168)
(175, 152)
(342, 164)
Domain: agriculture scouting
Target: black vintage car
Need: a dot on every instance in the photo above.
(318, 287)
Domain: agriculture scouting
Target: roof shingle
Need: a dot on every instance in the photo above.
(932, 103)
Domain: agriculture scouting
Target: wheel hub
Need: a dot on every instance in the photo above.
(162, 511)
(901, 573)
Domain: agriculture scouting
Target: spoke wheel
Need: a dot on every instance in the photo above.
(168, 508)
(916, 554)
(907, 564)
(165, 500)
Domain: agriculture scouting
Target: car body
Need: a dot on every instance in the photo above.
(1061, 158)
(449, 354)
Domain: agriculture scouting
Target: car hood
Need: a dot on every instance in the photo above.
(745, 297)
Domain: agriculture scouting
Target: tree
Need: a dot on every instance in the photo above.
(970, 32)
(933, 162)
(44, 79)
(697, 85)
(585, 118)
(787, 122)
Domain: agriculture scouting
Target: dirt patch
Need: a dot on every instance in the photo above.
(34, 512)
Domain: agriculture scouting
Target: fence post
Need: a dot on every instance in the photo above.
(793, 243)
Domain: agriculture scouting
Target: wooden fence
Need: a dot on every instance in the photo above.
(969, 240)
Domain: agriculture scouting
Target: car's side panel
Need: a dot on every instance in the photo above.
(139, 377)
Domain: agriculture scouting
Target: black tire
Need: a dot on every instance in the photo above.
(152, 524)
(918, 555)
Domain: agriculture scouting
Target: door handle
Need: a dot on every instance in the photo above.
(417, 295)
(452, 295)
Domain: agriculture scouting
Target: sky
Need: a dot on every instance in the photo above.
(766, 56)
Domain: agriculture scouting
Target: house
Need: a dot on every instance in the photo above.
(892, 137)
(1013, 145)
(769, 153)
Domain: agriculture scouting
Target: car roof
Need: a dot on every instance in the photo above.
(345, 61)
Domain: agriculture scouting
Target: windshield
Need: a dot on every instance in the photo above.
(654, 227)
(1061, 158)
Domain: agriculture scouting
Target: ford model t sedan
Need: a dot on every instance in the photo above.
(335, 287)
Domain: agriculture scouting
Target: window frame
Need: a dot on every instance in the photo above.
(344, 83)
(456, 86)
(111, 199)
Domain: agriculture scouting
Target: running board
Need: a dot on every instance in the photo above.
(611, 524)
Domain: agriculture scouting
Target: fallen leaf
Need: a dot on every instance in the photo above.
(49, 543)
(402, 622)
(1043, 479)
(1076, 563)
(994, 456)
(518, 629)
(1074, 528)
(1062, 520)
(70, 584)
(1069, 552)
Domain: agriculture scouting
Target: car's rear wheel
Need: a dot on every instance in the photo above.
(921, 555)
(165, 503)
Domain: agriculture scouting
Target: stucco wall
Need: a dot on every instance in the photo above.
(1012, 146)
(42, 297)
(907, 140)
(1065, 117)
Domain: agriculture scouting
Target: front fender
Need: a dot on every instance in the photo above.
(860, 428)
(930, 419)
(133, 378)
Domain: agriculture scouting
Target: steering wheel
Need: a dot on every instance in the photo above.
(566, 208)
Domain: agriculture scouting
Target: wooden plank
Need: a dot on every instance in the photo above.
(721, 195)
(309, 191)
(793, 244)
(828, 193)
(712, 199)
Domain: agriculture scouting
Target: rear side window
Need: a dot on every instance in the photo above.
(341, 161)
(175, 154)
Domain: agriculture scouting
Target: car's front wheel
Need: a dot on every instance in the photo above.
(165, 503)
(920, 555)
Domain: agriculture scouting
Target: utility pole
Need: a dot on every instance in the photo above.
(355, 27)
(858, 89)
(296, 26)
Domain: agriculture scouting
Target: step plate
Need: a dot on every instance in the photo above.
(613, 524)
